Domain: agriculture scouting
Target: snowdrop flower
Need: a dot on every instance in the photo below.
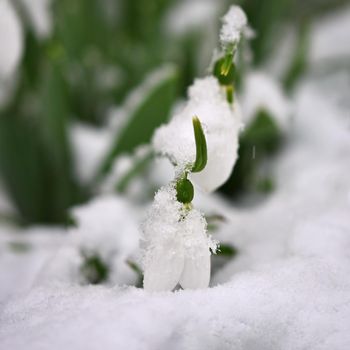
(221, 122)
(176, 248)
(11, 41)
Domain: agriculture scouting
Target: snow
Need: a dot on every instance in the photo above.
(234, 22)
(261, 91)
(221, 124)
(11, 40)
(24, 253)
(294, 305)
(107, 227)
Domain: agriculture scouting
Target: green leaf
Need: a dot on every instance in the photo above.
(150, 113)
(201, 146)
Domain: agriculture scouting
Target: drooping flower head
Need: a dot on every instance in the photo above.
(176, 247)
(221, 123)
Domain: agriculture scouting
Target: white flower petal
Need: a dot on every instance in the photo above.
(196, 272)
(163, 270)
(162, 244)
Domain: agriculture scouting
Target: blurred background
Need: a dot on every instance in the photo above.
(84, 83)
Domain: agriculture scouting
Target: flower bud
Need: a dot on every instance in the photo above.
(184, 191)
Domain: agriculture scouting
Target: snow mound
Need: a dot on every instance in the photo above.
(300, 303)
(106, 229)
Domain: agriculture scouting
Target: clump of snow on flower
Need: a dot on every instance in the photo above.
(221, 124)
(234, 22)
(176, 247)
(262, 92)
(106, 227)
(11, 40)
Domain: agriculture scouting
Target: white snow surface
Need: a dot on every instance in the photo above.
(106, 227)
(288, 287)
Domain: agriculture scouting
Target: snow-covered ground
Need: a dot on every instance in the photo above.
(288, 287)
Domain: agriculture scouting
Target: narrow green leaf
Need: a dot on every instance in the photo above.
(201, 146)
(149, 114)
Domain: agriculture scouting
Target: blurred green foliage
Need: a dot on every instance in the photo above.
(258, 142)
(98, 52)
